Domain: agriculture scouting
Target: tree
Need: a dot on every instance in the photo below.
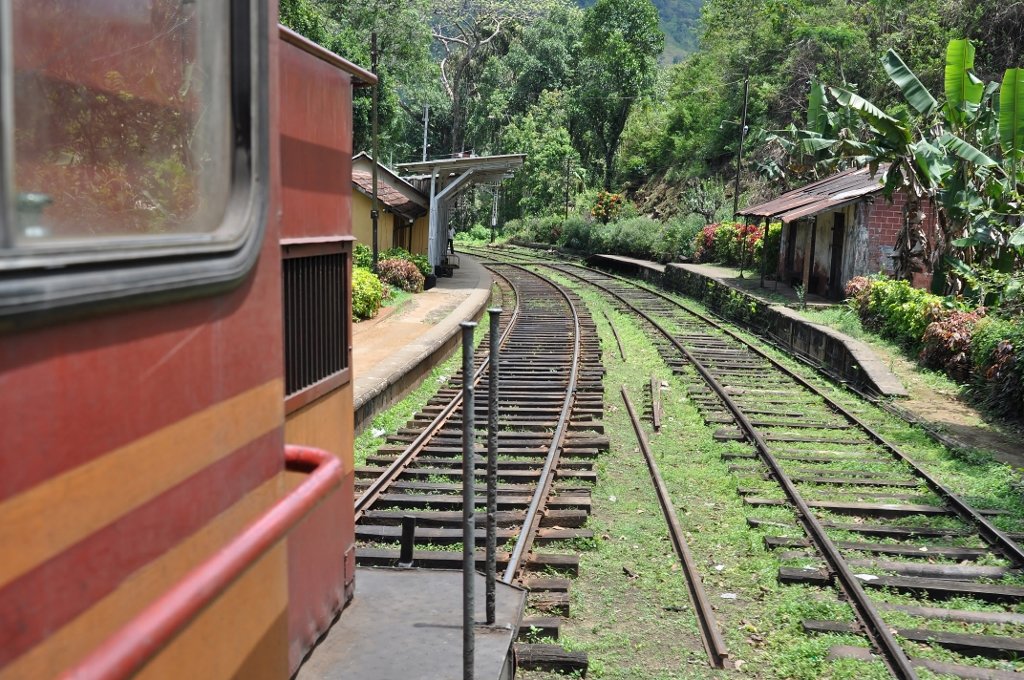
(621, 44)
(470, 31)
(539, 187)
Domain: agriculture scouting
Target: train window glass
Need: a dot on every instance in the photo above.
(316, 315)
(122, 130)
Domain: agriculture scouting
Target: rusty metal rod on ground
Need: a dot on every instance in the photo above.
(492, 463)
(618, 340)
(468, 500)
(714, 643)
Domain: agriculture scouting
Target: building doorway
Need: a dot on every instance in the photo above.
(835, 271)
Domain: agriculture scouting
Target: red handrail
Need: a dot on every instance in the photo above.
(127, 650)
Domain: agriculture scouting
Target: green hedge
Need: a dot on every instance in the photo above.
(986, 352)
(367, 293)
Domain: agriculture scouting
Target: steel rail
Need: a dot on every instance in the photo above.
(994, 536)
(714, 644)
(404, 459)
(524, 542)
(875, 627)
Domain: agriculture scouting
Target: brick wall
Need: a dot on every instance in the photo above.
(884, 220)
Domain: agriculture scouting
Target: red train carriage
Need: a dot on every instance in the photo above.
(160, 160)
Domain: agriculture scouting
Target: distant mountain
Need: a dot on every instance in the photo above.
(679, 19)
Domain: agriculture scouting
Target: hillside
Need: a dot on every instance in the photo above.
(679, 19)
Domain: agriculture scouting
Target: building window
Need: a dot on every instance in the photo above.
(128, 139)
(316, 318)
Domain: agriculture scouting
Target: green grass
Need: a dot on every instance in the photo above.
(643, 626)
(691, 464)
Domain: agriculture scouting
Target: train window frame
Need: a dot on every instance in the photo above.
(43, 284)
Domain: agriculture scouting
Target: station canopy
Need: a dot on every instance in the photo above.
(444, 179)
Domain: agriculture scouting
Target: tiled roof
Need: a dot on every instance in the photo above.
(395, 200)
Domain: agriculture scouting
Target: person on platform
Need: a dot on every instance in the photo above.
(451, 239)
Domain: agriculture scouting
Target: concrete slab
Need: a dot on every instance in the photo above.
(407, 623)
(392, 352)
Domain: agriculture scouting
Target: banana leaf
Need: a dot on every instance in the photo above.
(931, 163)
(817, 116)
(965, 150)
(898, 135)
(963, 89)
(1017, 237)
(1011, 113)
(913, 91)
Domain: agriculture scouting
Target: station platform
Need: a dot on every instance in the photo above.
(407, 623)
(394, 350)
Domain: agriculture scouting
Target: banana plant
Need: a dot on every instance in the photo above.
(959, 153)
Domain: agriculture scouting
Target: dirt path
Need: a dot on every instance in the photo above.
(948, 414)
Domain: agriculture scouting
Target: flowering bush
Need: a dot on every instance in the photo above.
(607, 206)
(421, 262)
(368, 293)
(729, 243)
(947, 343)
(402, 274)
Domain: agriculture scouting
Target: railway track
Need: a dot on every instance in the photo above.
(549, 435)
(882, 530)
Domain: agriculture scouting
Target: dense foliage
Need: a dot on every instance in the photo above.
(975, 347)
(368, 293)
(401, 274)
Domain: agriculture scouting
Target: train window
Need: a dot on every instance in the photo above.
(128, 137)
(316, 318)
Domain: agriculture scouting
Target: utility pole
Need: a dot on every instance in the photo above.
(568, 166)
(426, 123)
(374, 211)
(739, 163)
(494, 210)
(743, 135)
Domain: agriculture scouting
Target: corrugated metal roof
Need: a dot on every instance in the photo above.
(825, 194)
(394, 199)
(505, 163)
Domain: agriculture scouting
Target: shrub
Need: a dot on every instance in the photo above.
(856, 288)
(607, 206)
(725, 245)
(478, 233)
(704, 243)
(367, 293)
(576, 234)
(421, 261)
(634, 237)
(536, 229)
(997, 350)
(899, 311)
(675, 240)
(362, 256)
(947, 343)
(770, 241)
(402, 274)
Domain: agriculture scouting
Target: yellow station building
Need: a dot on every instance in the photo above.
(403, 219)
